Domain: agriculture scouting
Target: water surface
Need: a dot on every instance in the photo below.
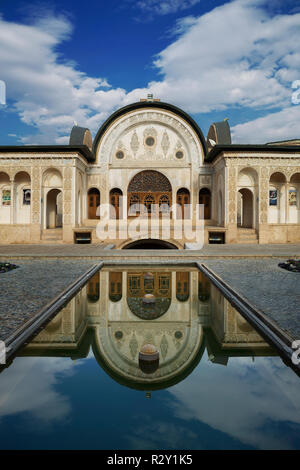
(217, 385)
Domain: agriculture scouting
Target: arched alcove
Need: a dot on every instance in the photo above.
(93, 288)
(149, 191)
(149, 294)
(277, 198)
(116, 203)
(247, 200)
(93, 203)
(150, 244)
(182, 286)
(245, 208)
(22, 197)
(205, 199)
(54, 209)
(294, 199)
(183, 201)
(5, 195)
(115, 286)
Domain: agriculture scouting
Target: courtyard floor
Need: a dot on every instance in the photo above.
(98, 251)
(46, 270)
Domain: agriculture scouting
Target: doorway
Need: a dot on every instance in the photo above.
(54, 208)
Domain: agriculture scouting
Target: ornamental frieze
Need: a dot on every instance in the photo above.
(130, 121)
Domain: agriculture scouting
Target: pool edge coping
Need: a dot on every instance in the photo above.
(36, 323)
(265, 326)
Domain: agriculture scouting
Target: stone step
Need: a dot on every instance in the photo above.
(52, 235)
(246, 230)
(51, 242)
(50, 238)
(90, 222)
(245, 236)
(57, 231)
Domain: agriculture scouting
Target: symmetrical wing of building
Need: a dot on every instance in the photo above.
(150, 159)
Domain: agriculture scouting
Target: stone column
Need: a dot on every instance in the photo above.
(36, 218)
(263, 205)
(232, 205)
(286, 203)
(67, 204)
(13, 201)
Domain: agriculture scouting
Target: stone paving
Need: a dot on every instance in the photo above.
(271, 289)
(25, 290)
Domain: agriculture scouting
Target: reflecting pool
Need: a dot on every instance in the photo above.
(149, 359)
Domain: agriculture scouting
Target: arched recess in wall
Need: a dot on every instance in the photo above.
(220, 201)
(53, 198)
(5, 198)
(115, 286)
(182, 286)
(80, 213)
(116, 203)
(54, 209)
(150, 244)
(204, 287)
(277, 198)
(183, 200)
(205, 199)
(22, 197)
(93, 288)
(245, 208)
(149, 294)
(93, 203)
(149, 191)
(220, 208)
(247, 197)
(294, 199)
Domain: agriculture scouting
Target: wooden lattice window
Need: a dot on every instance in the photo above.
(149, 180)
(134, 204)
(164, 203)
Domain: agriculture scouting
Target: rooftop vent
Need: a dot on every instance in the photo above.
(149, 98)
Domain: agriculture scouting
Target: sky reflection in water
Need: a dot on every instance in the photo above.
(59, 403)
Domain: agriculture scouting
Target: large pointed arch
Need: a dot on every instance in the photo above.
(149, 191)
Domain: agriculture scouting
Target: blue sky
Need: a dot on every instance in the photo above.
(69, 61)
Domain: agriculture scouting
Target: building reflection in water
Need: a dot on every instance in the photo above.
(151, 333)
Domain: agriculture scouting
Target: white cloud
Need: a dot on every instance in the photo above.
(164, 7)
(47, 93)
(29, 386)
(235, 56)
(242, 400)
(283, 125)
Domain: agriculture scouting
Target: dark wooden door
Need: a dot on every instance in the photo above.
(115, 202)
(205, 200)
(94, 202)
(183, 201)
